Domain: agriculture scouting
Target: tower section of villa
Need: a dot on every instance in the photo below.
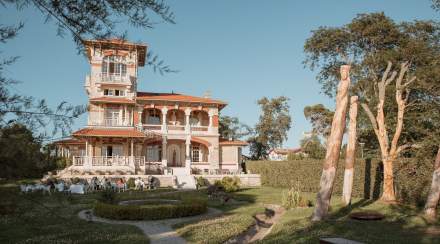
(131, 132)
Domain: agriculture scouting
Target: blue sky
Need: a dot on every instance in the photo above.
(238, 50)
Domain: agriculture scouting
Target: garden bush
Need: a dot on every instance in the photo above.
(150, 212)
(412, 178)
(107, 196)
(293, 198)
(229, 184)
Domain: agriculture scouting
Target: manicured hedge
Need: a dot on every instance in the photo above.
(149, 211)
(412, 178)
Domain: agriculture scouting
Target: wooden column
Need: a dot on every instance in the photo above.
(333, 147)
(350, 155)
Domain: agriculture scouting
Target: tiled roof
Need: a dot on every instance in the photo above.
(120, 44)
(70, 141)
(150, 96)
(108, 132)
(112, 100)
(226, 142)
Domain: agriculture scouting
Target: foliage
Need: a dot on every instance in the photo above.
(321, 119)
(216, 230)
(412, 177)
(201, 181)
(107, 196)
(151, 212)
(38, 218)
(94, 19)
(130, 183)
(271, 129)
(22, 154)
(229, 184)
(295, 156)
(367, 43)
(312, 147)
(293, 198)
(232, 128)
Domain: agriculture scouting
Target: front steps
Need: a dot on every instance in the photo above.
(185, 182)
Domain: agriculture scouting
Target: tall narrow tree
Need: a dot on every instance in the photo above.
(351, 151)
(333, 147)
(434, 193)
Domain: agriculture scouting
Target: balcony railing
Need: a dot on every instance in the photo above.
(175, 128)
(114, 78)
(78, 160)
(199, 128)
(110, 122)
(110, 161)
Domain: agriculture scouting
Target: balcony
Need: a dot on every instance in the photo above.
(177, 129)
(110, 122)
(113, 78)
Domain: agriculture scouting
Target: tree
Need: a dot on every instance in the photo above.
(321, 119)
(351, 151)
(312, 147)
(368, 42)
(21, 155)
(272, 127)
(434, 193)
(232, 128)
(333, 147)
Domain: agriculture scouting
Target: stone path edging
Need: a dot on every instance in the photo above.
(159, 231)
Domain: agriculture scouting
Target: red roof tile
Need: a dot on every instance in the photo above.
(150, 96)
(108, 132)
(226, 142)
(70, 141)
(112, 100)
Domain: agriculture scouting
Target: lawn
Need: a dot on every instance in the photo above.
(36, 218)
(403, 224)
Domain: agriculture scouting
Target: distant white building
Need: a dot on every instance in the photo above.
(281, 154)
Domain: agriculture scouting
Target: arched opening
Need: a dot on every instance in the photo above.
(199, 153)
(151, 116)
(176, 119)
(199, 118)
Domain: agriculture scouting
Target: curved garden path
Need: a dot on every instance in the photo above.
(159, 231)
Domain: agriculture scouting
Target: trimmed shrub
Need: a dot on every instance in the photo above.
(201, 182)
(228, 184)
(412, 178)
(107, 196)
(150, 212)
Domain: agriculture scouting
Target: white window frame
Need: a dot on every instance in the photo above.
(195, 154)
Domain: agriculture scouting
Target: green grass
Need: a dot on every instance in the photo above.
(34, 218)
(402, 224)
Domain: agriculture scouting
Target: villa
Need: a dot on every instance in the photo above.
(138, 133)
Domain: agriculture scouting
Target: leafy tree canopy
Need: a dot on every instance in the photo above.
(272, 127)
(367, 43)
(320, 117)
(232, 128)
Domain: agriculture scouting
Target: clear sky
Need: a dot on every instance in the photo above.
(238, 50)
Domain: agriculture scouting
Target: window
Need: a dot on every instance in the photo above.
(153, 117)
(195, 154)
(154, 153)
(114, 65)
(111, 150)
(112, 92)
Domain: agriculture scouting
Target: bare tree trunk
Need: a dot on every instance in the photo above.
(434, 193)
(351, 152)
(333, 147)
(390, 151)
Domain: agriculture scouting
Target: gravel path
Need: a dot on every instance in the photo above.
(159, 231)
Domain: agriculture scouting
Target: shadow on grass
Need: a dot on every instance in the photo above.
(402, 224)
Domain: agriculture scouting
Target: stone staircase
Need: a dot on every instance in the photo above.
(186, 182)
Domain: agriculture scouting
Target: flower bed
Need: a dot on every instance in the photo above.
(149, 211)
